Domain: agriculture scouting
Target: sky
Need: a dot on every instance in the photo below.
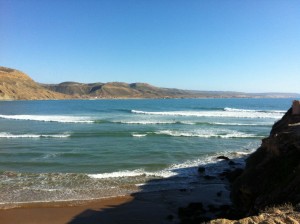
(225, 45)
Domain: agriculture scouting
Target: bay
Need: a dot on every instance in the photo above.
(85, 149)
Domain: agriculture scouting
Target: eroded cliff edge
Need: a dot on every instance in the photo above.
(272, 173)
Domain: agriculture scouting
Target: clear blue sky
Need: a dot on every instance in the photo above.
(239, 45)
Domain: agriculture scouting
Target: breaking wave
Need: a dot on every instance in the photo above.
(153, 122)
(245, 110)
(48, 118)
(184, 169)
(208, 134)
(227, 112)
(9, 135)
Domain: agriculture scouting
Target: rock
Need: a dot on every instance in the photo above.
(272, 173)
(170, 217)
(296, 107)
(232, 175)
(231, 163)
(208, 177)
(201, 169)
(219, 194)
(276, 216)
(194, 213)
(223, 157)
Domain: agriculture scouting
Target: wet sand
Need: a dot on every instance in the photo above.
(152, 207)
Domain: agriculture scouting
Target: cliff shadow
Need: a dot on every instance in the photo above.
(206, 194)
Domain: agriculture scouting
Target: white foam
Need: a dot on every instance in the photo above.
(124, 173)
(208, 134)
(225, 113)
(178, 170)
(138, 135)
(241, 124)
(147, 122)
(248, 110)
(9, 135)
(48, 118)
(133, 173)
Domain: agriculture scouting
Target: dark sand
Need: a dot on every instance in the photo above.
(153, 207)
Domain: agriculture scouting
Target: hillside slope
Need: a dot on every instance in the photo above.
(117, 90)
(15, 85)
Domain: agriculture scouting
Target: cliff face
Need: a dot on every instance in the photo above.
(15, 85)
(272, 173)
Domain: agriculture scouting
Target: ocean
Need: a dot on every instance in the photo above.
(88, 149)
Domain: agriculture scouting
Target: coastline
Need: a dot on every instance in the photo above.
(56, 212)
(142, 207)
(147, 98)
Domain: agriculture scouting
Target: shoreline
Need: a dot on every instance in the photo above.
(56, 212)
(146, 98)
(142, 207)
(56, 204)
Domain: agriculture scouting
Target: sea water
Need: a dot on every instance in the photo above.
(87, 149)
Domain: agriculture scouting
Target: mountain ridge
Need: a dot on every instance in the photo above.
(16, 85)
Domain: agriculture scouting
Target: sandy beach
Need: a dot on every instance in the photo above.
(151, 207)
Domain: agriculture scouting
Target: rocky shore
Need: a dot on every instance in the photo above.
(267, 190)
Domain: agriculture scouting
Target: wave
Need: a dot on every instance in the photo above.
(248, 110)
(147, 122)
(208, 134)
(133, 173)
(225, 113)
(138, 135)
(48, 118)
(186, 169)
(241, 124)
(9, 135)
(139, 122)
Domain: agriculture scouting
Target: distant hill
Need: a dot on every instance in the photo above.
(15, 85)
(116, 90)
(144, 90)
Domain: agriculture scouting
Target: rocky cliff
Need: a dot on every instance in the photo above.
(272, 173)
(15, 85)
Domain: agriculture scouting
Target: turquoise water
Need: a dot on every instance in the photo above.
(83, 149)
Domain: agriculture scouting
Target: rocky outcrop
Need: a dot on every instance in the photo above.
(272, 173)
(282, 215)
(15, 85)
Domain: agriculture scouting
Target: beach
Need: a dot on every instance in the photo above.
(150, 207)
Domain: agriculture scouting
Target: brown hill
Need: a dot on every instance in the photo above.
(116, 90)
(15, 85)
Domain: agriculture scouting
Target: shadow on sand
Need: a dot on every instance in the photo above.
(206, 195)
